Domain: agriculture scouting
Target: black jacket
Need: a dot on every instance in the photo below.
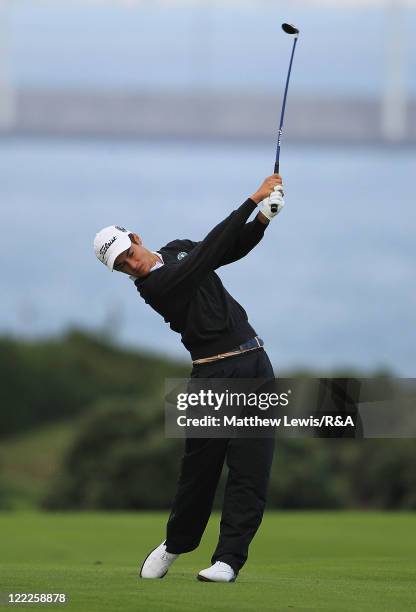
(189, 294)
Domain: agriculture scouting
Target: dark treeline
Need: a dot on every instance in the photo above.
(49, 380)
(119, 457)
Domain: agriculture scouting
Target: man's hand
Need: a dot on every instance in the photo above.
(266, 188)
(271, 206)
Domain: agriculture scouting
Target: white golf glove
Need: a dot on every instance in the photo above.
(274, 201)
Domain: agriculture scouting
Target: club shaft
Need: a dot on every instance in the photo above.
(282, 116)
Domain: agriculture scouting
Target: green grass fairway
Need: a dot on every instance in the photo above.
(299, 561)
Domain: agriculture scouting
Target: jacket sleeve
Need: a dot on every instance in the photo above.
(209, 254)
(248, 237)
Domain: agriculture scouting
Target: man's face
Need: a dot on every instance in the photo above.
(136, 260)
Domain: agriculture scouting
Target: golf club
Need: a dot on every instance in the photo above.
(289, 29)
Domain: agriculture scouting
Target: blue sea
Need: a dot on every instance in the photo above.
(332, 284)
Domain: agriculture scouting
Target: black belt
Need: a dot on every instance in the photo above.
(253, 343)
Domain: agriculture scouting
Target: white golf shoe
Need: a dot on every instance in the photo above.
(157, 563)
(219, 572)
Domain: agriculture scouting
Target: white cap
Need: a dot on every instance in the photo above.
(110, 242)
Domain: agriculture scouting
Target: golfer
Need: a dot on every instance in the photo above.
(180, 283)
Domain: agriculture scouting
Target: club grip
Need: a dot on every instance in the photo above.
(273, 207)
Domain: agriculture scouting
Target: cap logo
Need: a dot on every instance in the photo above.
(106, 246)
(181, 255)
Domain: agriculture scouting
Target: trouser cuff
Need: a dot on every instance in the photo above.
(178, 549)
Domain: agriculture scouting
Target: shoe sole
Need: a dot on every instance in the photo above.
(140, 573)
(203, 579)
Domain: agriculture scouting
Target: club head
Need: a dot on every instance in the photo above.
(289, 29)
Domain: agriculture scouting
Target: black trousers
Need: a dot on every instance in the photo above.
(248, 460)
